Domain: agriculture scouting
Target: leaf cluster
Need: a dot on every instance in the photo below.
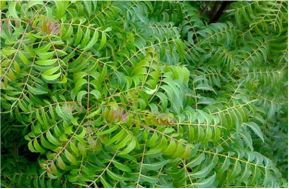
(143, 94)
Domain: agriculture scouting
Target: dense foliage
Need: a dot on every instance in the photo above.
(143, 94)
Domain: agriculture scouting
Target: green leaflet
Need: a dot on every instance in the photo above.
(60, 8)
(52, 139)
(51, 71)
(154, 166)
(115, 176)
(118, 137)
(255, 128)
(12, 10)
(79, 35)
(129, 148)
(30, 147)
(205, 87)
(203, 172)
(150, 91)
(102, 40)
(37, 91)
(149, 179)
(94, 113)
(45, 55)
(122, 167)
(37, 147)
(86, 38)
(110, 130)
(46, 143)
(208, 182)
(163, 98)
(46, 62)
(23, 58)
(105, 183)
(171, 147)
(92, 41)
(123, 142)
(70, 157)
(60, 163)
(67, 33)
(51, 77)
(197, 161)
(80, 96)
(42, 49)
(73, 148)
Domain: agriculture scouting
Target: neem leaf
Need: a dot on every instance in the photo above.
(70, 157)
(51, 77)
(256, 129)
(46, 62)
(92, 41)
(102, 41)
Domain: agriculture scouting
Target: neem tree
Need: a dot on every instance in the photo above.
(143, 94)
